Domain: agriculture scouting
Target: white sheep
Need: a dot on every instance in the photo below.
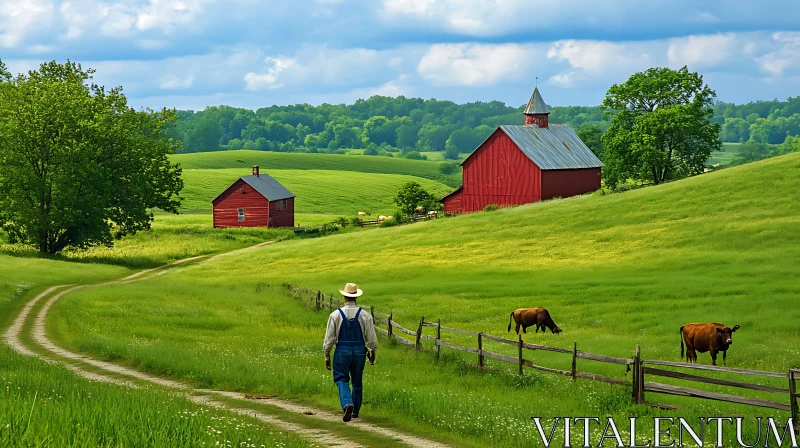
(362, 214)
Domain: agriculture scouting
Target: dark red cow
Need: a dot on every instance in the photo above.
(703, 338)
(528, 317)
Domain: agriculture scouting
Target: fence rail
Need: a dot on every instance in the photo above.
(640, 367)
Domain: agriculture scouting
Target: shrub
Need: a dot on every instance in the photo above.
(490, 208)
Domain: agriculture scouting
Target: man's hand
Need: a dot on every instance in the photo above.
(371, 358)
(328, 363)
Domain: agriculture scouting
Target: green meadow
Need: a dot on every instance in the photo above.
(614, 271)
(243, 160)
(724, 157)
(47, 405)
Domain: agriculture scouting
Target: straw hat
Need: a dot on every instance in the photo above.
(351, 290)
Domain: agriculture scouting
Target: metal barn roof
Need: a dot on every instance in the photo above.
(268, 187)
(536, 104)
(556, 147)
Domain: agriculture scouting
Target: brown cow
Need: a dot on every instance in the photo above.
(528, 317)
(703, 338)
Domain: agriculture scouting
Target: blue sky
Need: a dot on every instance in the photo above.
(193, 53)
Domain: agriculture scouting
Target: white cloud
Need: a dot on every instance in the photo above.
(19, 18)
(409, 7)
(701, 51)
(602, 56)
(320, 65)
(174, 82)
(168, 13)
(785, 55)
(563, 79)
(475, 64)
(268, 80)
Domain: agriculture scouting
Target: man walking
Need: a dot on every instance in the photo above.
(352, 331)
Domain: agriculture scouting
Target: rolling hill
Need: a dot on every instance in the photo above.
(271, 161)
(614, 271)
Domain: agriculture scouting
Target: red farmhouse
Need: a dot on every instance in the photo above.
(520, 164)
(254, 201)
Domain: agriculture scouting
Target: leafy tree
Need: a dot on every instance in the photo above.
(78, 167)
(451, 153)
(407, 135)
(411, 196)
(5, 75)
(752, 151)
(205, 136)
(372, 150)
(661, 127)
(591, 134)
(433, 137)
(791, 144)
(448, 168)
(380, 129)
(346, 137)
(414, 155)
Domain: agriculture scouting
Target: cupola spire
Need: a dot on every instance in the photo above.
(536, 111)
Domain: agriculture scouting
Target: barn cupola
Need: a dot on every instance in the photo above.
(255, 171)
(536, 112)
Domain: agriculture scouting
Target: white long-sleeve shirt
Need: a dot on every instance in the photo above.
(350, 309)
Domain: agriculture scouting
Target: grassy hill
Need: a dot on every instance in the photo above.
(318, 191)
(614, 271)
(271, 161)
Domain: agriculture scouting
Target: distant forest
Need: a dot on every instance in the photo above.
(387, 126)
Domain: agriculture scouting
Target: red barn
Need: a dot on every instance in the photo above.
(254, 201)
(520, 164)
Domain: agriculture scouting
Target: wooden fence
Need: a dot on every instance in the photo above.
(409, 220)
(640, 368)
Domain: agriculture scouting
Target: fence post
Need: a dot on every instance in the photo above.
(574, 359)
(330, 302)
(419, 332)
(438, 337)
(793, 400)
(372, 313)
(390, 325)
(520, 354)
(480, 350)
(638, 381)
(316, 304)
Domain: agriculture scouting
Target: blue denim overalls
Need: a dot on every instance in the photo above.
(348, 361)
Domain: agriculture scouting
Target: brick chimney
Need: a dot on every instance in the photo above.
(255, 171)
(536, 112)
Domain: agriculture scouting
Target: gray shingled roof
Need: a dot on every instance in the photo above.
(268, 187)
(557, 147)
(536, 104)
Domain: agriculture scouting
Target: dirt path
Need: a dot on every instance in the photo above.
(201, 396)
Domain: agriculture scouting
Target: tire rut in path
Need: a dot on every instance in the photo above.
(205, 396)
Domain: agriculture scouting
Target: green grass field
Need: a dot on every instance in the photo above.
(318, 191)
(614, 271)
(243, 160)
(44, 404)
(724, 157)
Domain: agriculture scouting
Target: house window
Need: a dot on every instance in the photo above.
(241, 214)
(281, 205)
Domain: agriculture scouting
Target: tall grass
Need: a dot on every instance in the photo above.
(614, 271)
(47, 405)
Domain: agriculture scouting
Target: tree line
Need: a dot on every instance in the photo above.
(378, 125)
